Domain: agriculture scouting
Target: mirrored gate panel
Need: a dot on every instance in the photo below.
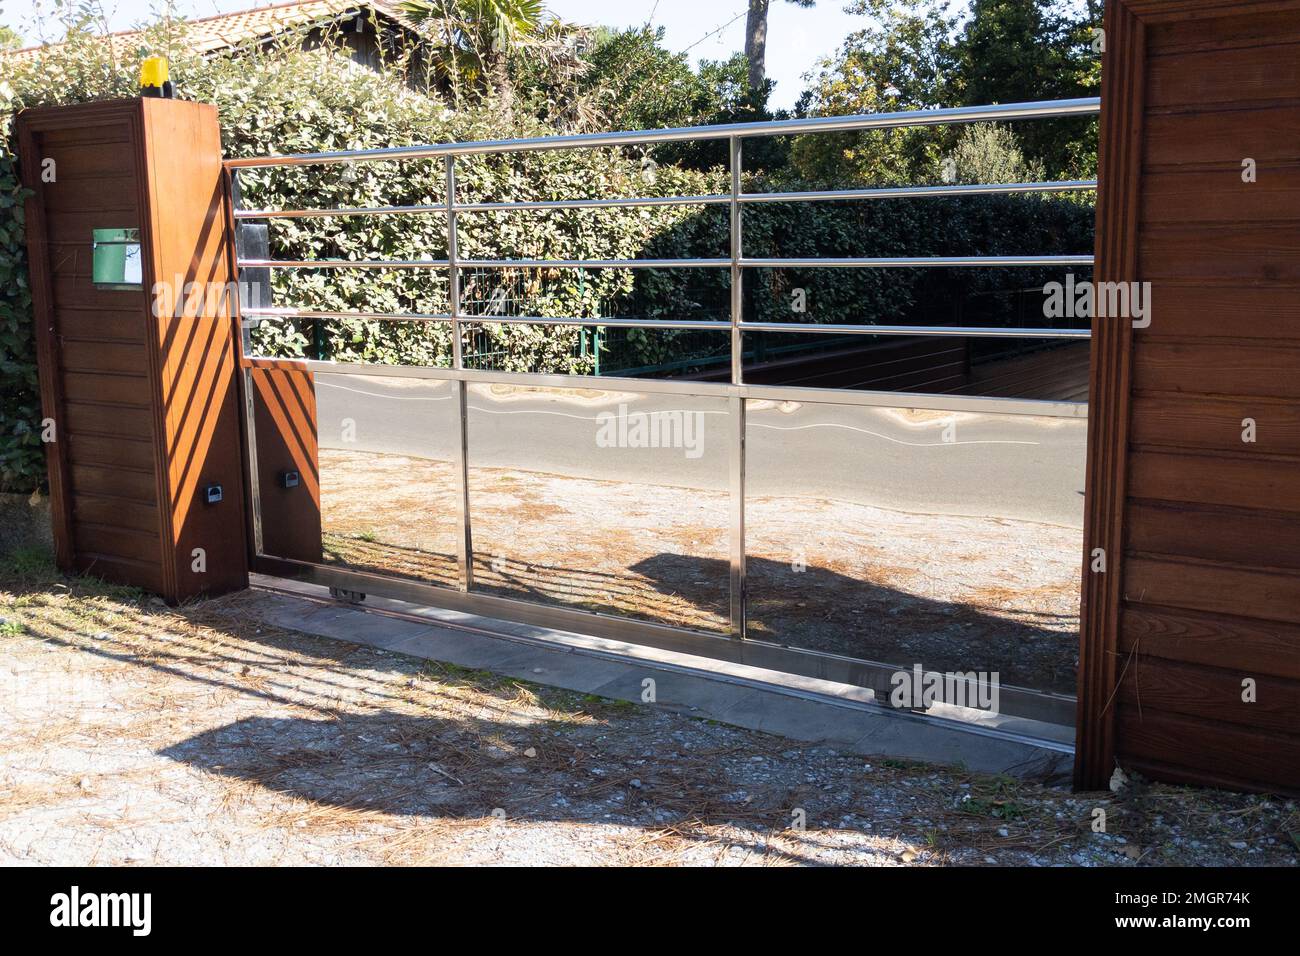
(913, 536)
(387, 482)
(602, 500)
(801, 482)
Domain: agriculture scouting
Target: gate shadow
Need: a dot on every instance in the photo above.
(818, 608)
(822, 609)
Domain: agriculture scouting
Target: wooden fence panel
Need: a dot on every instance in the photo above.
(1190, 658)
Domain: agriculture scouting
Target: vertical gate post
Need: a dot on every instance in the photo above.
(464, 540)
(736, 406)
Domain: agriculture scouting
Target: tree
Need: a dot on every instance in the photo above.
(989, 153)
(1020, 50)
(890, 157)
(637, 83)
(474, 40)
(904, 60)
(9, 40)
(921, 54)
(908, 52)
(756, 39)
(633, 82)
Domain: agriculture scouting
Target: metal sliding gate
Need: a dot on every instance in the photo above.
(792, 457)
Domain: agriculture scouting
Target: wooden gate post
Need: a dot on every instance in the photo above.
(1190, 646)
(127, 240)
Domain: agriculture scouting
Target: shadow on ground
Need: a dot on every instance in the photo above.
(312, 750)
(818, 608)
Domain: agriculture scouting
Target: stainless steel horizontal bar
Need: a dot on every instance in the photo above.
(921, 192)
(704, 200)
(776, 393)
(601, 323)
(315, 314)
(482, 207)
(813, 124)
(594, 263)
(721, 324)
(918, 262)
(960, 330)
(900, 192)
(343, 263)
(1017, 701)
(324, 213)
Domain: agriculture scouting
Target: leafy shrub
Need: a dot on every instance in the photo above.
(21, 465)
(286, 100)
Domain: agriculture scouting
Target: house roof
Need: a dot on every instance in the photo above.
(210, 34)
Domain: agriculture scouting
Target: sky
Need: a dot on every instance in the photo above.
(797, 37)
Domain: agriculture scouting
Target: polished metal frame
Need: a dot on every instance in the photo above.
(734, 646)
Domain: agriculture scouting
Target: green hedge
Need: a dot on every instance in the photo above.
(22, 467)
(287, 101)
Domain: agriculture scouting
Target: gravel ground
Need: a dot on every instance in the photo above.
(131, 733)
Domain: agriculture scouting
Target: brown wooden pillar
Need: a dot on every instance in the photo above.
(128, 252)
(1190, 656)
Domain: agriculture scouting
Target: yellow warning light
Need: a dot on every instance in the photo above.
(153, 73)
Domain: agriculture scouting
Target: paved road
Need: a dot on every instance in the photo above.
(1009, 466)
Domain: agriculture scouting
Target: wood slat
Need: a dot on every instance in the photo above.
(127, 358)
(1243, 76)
(1216, 588)
(1222, 535)
(99, 325)
(1219, 196)
(133, 515)
(1262, 253)
(110, 420)
(1262, 647)
(72, 292)
(106, 194)
(111, 482)
(1209, 34)
(1224, 369)
(1215, 424)
(141, 574)
(116, 541)
(89, 160)
(1212, 480)
(1222, 139)
(1237, 753)
(1211, 693)
(1242, 313)
(99, 134)
(106, 388)
(78, 227)
(113, 451)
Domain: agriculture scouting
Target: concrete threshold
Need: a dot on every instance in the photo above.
(802, 708)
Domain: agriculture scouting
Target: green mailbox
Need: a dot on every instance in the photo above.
(116, 259)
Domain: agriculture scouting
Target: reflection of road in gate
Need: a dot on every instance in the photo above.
(1012, 466)
(951, 591)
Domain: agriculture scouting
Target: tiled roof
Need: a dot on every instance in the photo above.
(231, 29)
